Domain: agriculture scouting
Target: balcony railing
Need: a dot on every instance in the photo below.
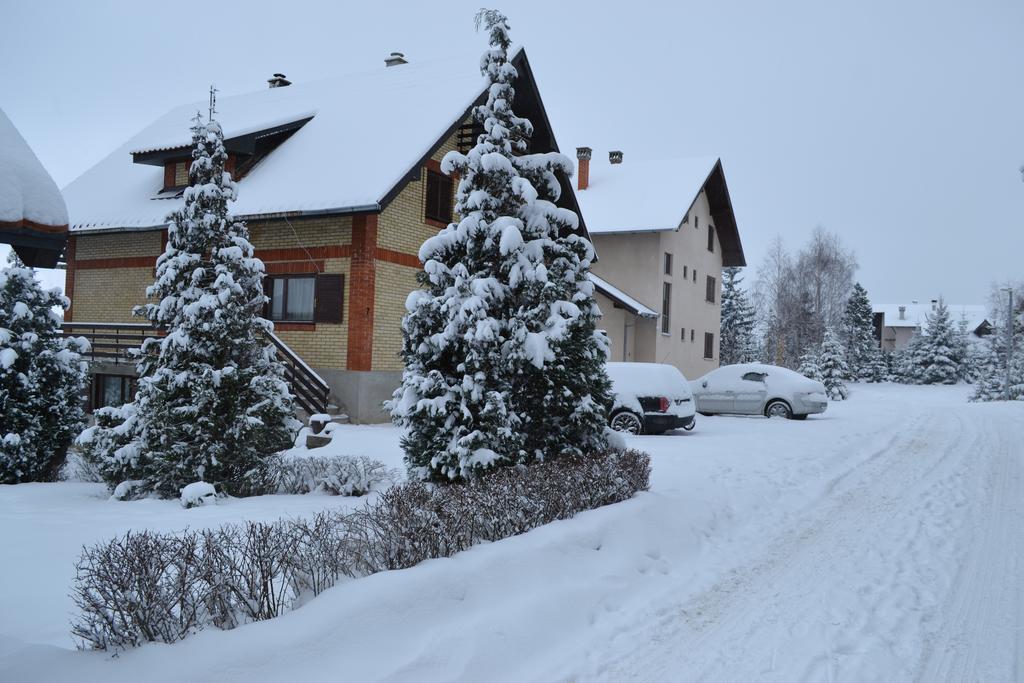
(116, 342)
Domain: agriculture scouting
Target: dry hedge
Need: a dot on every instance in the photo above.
(147, 586)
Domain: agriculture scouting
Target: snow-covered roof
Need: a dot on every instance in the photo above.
(655, 196)
(915, 315)
(368, 131)
(625, 300)
(28, 194)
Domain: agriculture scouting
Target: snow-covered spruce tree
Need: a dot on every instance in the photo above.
(879, 366)
(832, 366)
(42, 377)
(938, 350)
(212, 403)
(990, 378)
(738, 343)
(810, 363)
(858, 334)
(503, 362)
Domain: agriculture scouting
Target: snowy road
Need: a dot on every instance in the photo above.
(908, 569)
(879, 542)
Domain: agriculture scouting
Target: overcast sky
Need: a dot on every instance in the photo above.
(899, 125)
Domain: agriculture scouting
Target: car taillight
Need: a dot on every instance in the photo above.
(663, 404)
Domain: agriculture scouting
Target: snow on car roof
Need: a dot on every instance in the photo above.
(647, 379)
(642, 196)
(368, 131)
(27, 192)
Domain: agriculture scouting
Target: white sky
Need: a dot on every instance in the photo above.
(898, 124)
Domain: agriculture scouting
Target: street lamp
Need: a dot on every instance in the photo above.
(1009, 341)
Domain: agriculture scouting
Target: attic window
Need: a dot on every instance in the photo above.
(439, 198)
(176, 174)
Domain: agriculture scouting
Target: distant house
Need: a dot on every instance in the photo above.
(340, 183)
(33, 217)
(896, 324)
(663, 231)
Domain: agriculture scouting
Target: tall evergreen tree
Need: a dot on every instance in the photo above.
(212, 402)
(41, 379)
(858, 334)
(990, 378)
(738, 344)
(937, 352)
(503, 362)
(832, 366)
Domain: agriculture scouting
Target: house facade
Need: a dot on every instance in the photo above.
(663, 231)
(896, 324)
(340, 184)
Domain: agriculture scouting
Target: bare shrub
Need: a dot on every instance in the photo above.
(146, 586)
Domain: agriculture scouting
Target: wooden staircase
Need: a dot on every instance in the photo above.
(116, 343)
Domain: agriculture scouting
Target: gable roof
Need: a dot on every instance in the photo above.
(367, 135)
(621, 298)
(655, 196)
(916, 315)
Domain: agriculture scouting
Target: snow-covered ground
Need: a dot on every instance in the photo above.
(879, 541)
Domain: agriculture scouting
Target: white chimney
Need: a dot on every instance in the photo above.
(395, 58)
(935, 303)
(903, 312)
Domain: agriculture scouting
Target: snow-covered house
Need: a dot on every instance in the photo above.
(663, 230)
(33, 217)
(340, 183)
(896, 324)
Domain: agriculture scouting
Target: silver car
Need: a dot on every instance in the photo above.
(758, 389)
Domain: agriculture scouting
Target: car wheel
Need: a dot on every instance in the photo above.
(689, 427)
(625, 421)
(778, 409)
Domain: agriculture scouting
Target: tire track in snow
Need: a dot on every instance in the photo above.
(841, 596)
(979, 631)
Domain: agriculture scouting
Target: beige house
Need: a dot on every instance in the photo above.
(663, 230)
(340, 183)
(896, 324)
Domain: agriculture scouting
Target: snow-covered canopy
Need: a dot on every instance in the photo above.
(368, 132)
(620, 297)
(28, 194)
(916, 314)
(656, 195)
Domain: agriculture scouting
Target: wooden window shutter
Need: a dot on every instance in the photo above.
(168, 174)
(330, 297)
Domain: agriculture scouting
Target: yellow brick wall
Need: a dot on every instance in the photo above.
(295, 233)
(118, 245)
(107, 295)
(393, 284)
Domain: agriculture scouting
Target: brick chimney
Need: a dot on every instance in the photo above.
(615, 157)
(395, 58)
(278, 81)
(583, 174)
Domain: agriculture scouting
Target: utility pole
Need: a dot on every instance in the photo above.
(1010, 341)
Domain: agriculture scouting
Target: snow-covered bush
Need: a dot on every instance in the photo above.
(42, 377)
(198, 493)
(337, 475)
(145, 587)
(503, 361)
(832, 366)
(212, 402)
(810, 364)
